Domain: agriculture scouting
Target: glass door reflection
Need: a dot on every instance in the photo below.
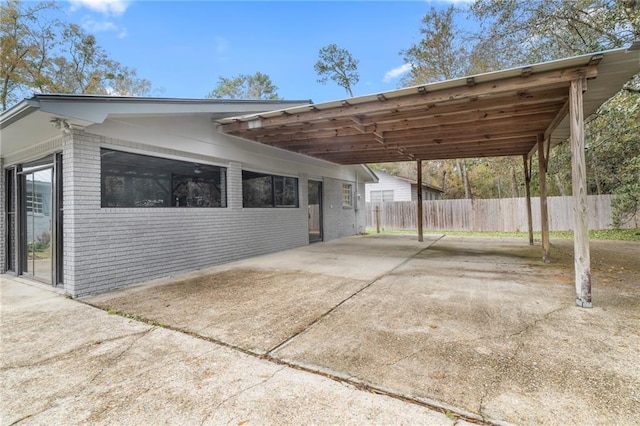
(38, 209)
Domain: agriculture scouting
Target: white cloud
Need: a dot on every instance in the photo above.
(106, 7)
(97, 27)
(94, 26)
(396, 72)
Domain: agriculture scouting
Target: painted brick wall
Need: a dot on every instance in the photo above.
(111, 247)
(339, 221)
(361, 213)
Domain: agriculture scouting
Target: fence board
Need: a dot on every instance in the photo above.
(506, 214)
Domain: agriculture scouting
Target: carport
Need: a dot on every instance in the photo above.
(515, 112)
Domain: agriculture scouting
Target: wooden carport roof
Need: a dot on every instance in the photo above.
(501, 113)
(505, 113)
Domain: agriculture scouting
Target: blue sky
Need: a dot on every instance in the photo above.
(182, 47)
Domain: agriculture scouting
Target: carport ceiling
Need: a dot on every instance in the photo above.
(494, 114)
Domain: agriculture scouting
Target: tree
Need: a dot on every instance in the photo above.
(43, 53)
(514, 33)
(244, 86)
(338, 65)
(550, 29)
(26, 40)
(627, 203)
(440, 54)
(84, 67)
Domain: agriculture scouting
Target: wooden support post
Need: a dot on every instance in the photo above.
(377, 219)
(544, 214)
(527, 186)
(419, 198)
(581, 255)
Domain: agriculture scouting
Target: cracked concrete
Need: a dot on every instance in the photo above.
(115, 370)
(477, 327)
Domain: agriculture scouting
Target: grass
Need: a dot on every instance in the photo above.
(606, 234)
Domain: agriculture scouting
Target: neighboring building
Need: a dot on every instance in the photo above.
(394, 188)
(98, 192)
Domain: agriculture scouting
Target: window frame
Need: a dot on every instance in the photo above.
(347, 195)
(34, 203)
(277, 196)
(210, 178)
(379, 194)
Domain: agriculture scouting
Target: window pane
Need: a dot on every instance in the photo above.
(262, 190)
(286, 191)
(134, 180)
(257, 190)
(347, 200)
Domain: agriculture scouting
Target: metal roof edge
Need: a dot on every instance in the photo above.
(579, 60)
(144, 99)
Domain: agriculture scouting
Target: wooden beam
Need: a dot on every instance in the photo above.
(379, 137)
(481, 122)
(509, 100)
(419, 198)
(545, 79)
(527, 186)
(521, 142)
(466, 117)
(581, 255)
(544, 213)
(394, 155)
(562, 113)
(513, 105)
(357, 124)
(532, 124)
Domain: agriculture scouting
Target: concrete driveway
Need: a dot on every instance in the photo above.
(477, 327)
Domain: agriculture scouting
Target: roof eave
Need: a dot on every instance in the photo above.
(18, 111)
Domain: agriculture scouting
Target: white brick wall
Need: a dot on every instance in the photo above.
(339, 221)
(105, 248)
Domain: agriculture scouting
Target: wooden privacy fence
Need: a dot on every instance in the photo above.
(506, 214)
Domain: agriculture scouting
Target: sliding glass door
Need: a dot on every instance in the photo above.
(38, 188)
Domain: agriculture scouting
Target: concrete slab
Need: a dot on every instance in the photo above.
(260, 302)
(485, 328)
(63, 362)
(478, 326)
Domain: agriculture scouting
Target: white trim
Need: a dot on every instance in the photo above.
(160, 154)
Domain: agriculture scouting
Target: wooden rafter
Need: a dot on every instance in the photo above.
(548, 79)
(476, 118)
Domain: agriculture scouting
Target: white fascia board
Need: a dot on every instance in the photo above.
(17, 112)
(96, 110)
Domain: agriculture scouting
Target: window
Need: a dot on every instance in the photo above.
(134, 180)
(382, 196)
(262, 190)
(347, 195)
(34, 203)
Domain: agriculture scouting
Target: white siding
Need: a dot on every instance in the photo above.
(401, 188)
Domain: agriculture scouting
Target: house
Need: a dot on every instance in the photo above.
(99, 192)
(395, 188)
